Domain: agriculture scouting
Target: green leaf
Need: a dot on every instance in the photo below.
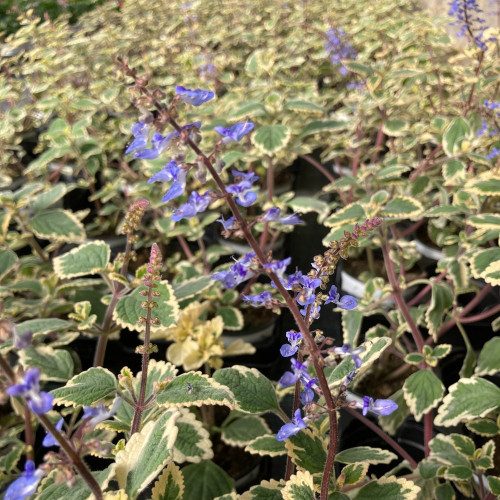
(253, 392)
(299, 487)
(414, 358)
(301, 105)
(47, 198)
(86, 388)
(464, 445)
(51, 488)
(468, 399)
(128, 309)
(494, 484)
(190, 288)
(489, 358)
(8, 260)
(270, 139)
(54, 364)
(45, 158)
(232, 317)
(483, 427)
(482, 259)
(319, 126)
(206, 481)
(403, 207)
(193, 440)
(58, 226)
(458, 473)
(59, 126)
(47, 325)
(146, 453)
(247, 110)
(389, 488)
(351, 326)
(241, 431)
(307, 451)
(85, 104)
(354, 473)
(445, 492)
(395, 128)
(423, 391)
(266, 490)
(358, 68)
(365, 454)
(205, 391)
(441, 301)
(484, 187)
(306, 204)
(455, 133)
(266, 445)
(170, 484)
(90, 258)
(346, 215)
(485, 221)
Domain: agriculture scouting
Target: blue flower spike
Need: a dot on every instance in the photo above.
(24, 486)
(292, 428)
(38, 401)
(97, 415)
(234, 133)
(196, 204)
(194, 97)
(273, 215)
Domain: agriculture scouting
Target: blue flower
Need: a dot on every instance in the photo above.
(241, 189)
(258, 300)
(99, 414)
(24, 486)
(379, 406)
(346, 350)
(158, 145)
(237, 273)
(339, 49)
(273, 215)
(309, 285)
(195, 97)
(141, 133)
(196, 203)
(299, 371)
(346, 302)
(229, 223)
(307, 395)
(171, 172)
(294, 338)
(278, 268)
(292, 428)
(38, 401)
(49, 440)
(293, 280)
(234, 133)
(22, 340)
(493, 154)
(314, 312)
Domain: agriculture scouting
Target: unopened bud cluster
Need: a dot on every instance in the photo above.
(134, 216)
(339, 249)
(150, 279)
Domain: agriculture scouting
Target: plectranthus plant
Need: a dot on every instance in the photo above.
(319, 387)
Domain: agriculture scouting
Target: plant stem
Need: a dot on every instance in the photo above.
(185, 248)
(269, 198)
(102, 342)
(391, 442)
(324, 171)
(397, 295)
(78, 463)
(28, 433)
(140, 406)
